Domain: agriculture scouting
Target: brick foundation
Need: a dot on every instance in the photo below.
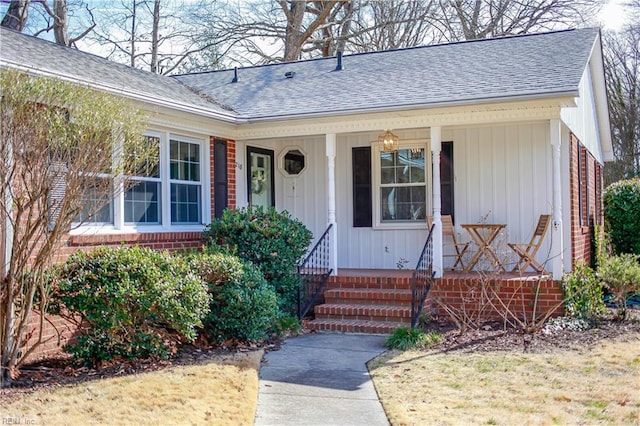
(518, 294)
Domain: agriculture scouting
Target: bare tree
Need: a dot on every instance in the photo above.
(392, 24)
(475, 19)
(16, 16)
(47, 18)
(264, 32)
(161, 36)
(622, 71)
(65, 152)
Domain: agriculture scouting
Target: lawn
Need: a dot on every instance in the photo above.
(220, 391)
(591, 385)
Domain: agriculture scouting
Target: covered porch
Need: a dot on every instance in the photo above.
(493, 169)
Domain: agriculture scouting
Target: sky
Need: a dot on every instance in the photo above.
(613, 15)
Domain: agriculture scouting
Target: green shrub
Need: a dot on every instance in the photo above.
(273, 241)
(405, 338)
(583, 294)
(133, 302)
(243, 305)
(621, 276)
(622, 215)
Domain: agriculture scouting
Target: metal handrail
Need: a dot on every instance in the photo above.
(315, 247)
(422, 279)
(314, 272)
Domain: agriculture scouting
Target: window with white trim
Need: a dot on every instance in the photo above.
(400, 196)
(168, 192)
(186, 187)
(143, 200)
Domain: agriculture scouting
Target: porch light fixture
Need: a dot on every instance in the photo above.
(388, 142)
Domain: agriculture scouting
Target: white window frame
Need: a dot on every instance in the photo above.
(119, 227)
(377, 205)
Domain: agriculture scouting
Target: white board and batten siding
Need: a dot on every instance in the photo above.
(303, 196)
(501, 172)
(582, 119)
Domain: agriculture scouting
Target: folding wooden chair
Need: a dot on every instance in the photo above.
(527, 252)
(459, 249)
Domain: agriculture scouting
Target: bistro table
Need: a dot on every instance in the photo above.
(483, 235)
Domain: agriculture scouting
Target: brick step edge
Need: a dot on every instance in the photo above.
(367, 296)
(373, 284)
(363, 313)
(352, 326)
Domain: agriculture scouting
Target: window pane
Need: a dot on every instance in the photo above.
(97, 206)
(185, 161)
(142, 203)
(148, 168)
(403, 203)
(185, 203)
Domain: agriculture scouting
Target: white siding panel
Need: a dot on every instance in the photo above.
(503, 173)
(366, 247)
(582, 119)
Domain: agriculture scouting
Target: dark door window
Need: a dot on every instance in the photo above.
(260, 177)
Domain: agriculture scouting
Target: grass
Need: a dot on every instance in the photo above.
(595, 385)
(223, 391)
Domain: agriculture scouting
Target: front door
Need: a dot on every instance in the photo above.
(260, 176)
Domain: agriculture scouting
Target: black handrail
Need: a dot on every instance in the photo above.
(422, 279)
(314, 272)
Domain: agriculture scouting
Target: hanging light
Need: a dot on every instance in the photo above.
(388, 142)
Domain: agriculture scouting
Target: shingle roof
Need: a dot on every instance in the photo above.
(509, 67)
(525, 66)
(49, 58)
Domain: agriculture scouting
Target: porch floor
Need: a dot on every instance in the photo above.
(448, 274)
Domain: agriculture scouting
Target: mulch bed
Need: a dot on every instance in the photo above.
(558, 334)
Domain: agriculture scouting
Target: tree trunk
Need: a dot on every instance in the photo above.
(16, 16)
(154, 37)
(61, 24)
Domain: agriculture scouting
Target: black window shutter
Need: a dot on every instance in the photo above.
(220, 182)
(362, 186)
(446, 179)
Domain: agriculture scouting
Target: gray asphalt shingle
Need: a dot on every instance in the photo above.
(524, 66)
(25, 51)
(518, 66)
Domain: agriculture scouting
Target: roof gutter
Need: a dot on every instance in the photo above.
(230, 118)
(569, 94)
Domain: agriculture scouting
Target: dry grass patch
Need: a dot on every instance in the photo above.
(594, 385)
(222, 391)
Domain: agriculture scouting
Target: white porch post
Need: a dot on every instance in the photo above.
(436, 143)
(557, 250)
(330, 142)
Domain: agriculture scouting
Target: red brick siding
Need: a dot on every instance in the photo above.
(586, 204)
(519, 294)
(231, 173)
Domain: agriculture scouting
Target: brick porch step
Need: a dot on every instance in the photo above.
(368, 296)
(372, 312)
(384, 283)
(353, 326)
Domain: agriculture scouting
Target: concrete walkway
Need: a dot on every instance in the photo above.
(320, 379)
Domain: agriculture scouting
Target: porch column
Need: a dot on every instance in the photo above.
(330, 142)
(436, 143)
(557, 250)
